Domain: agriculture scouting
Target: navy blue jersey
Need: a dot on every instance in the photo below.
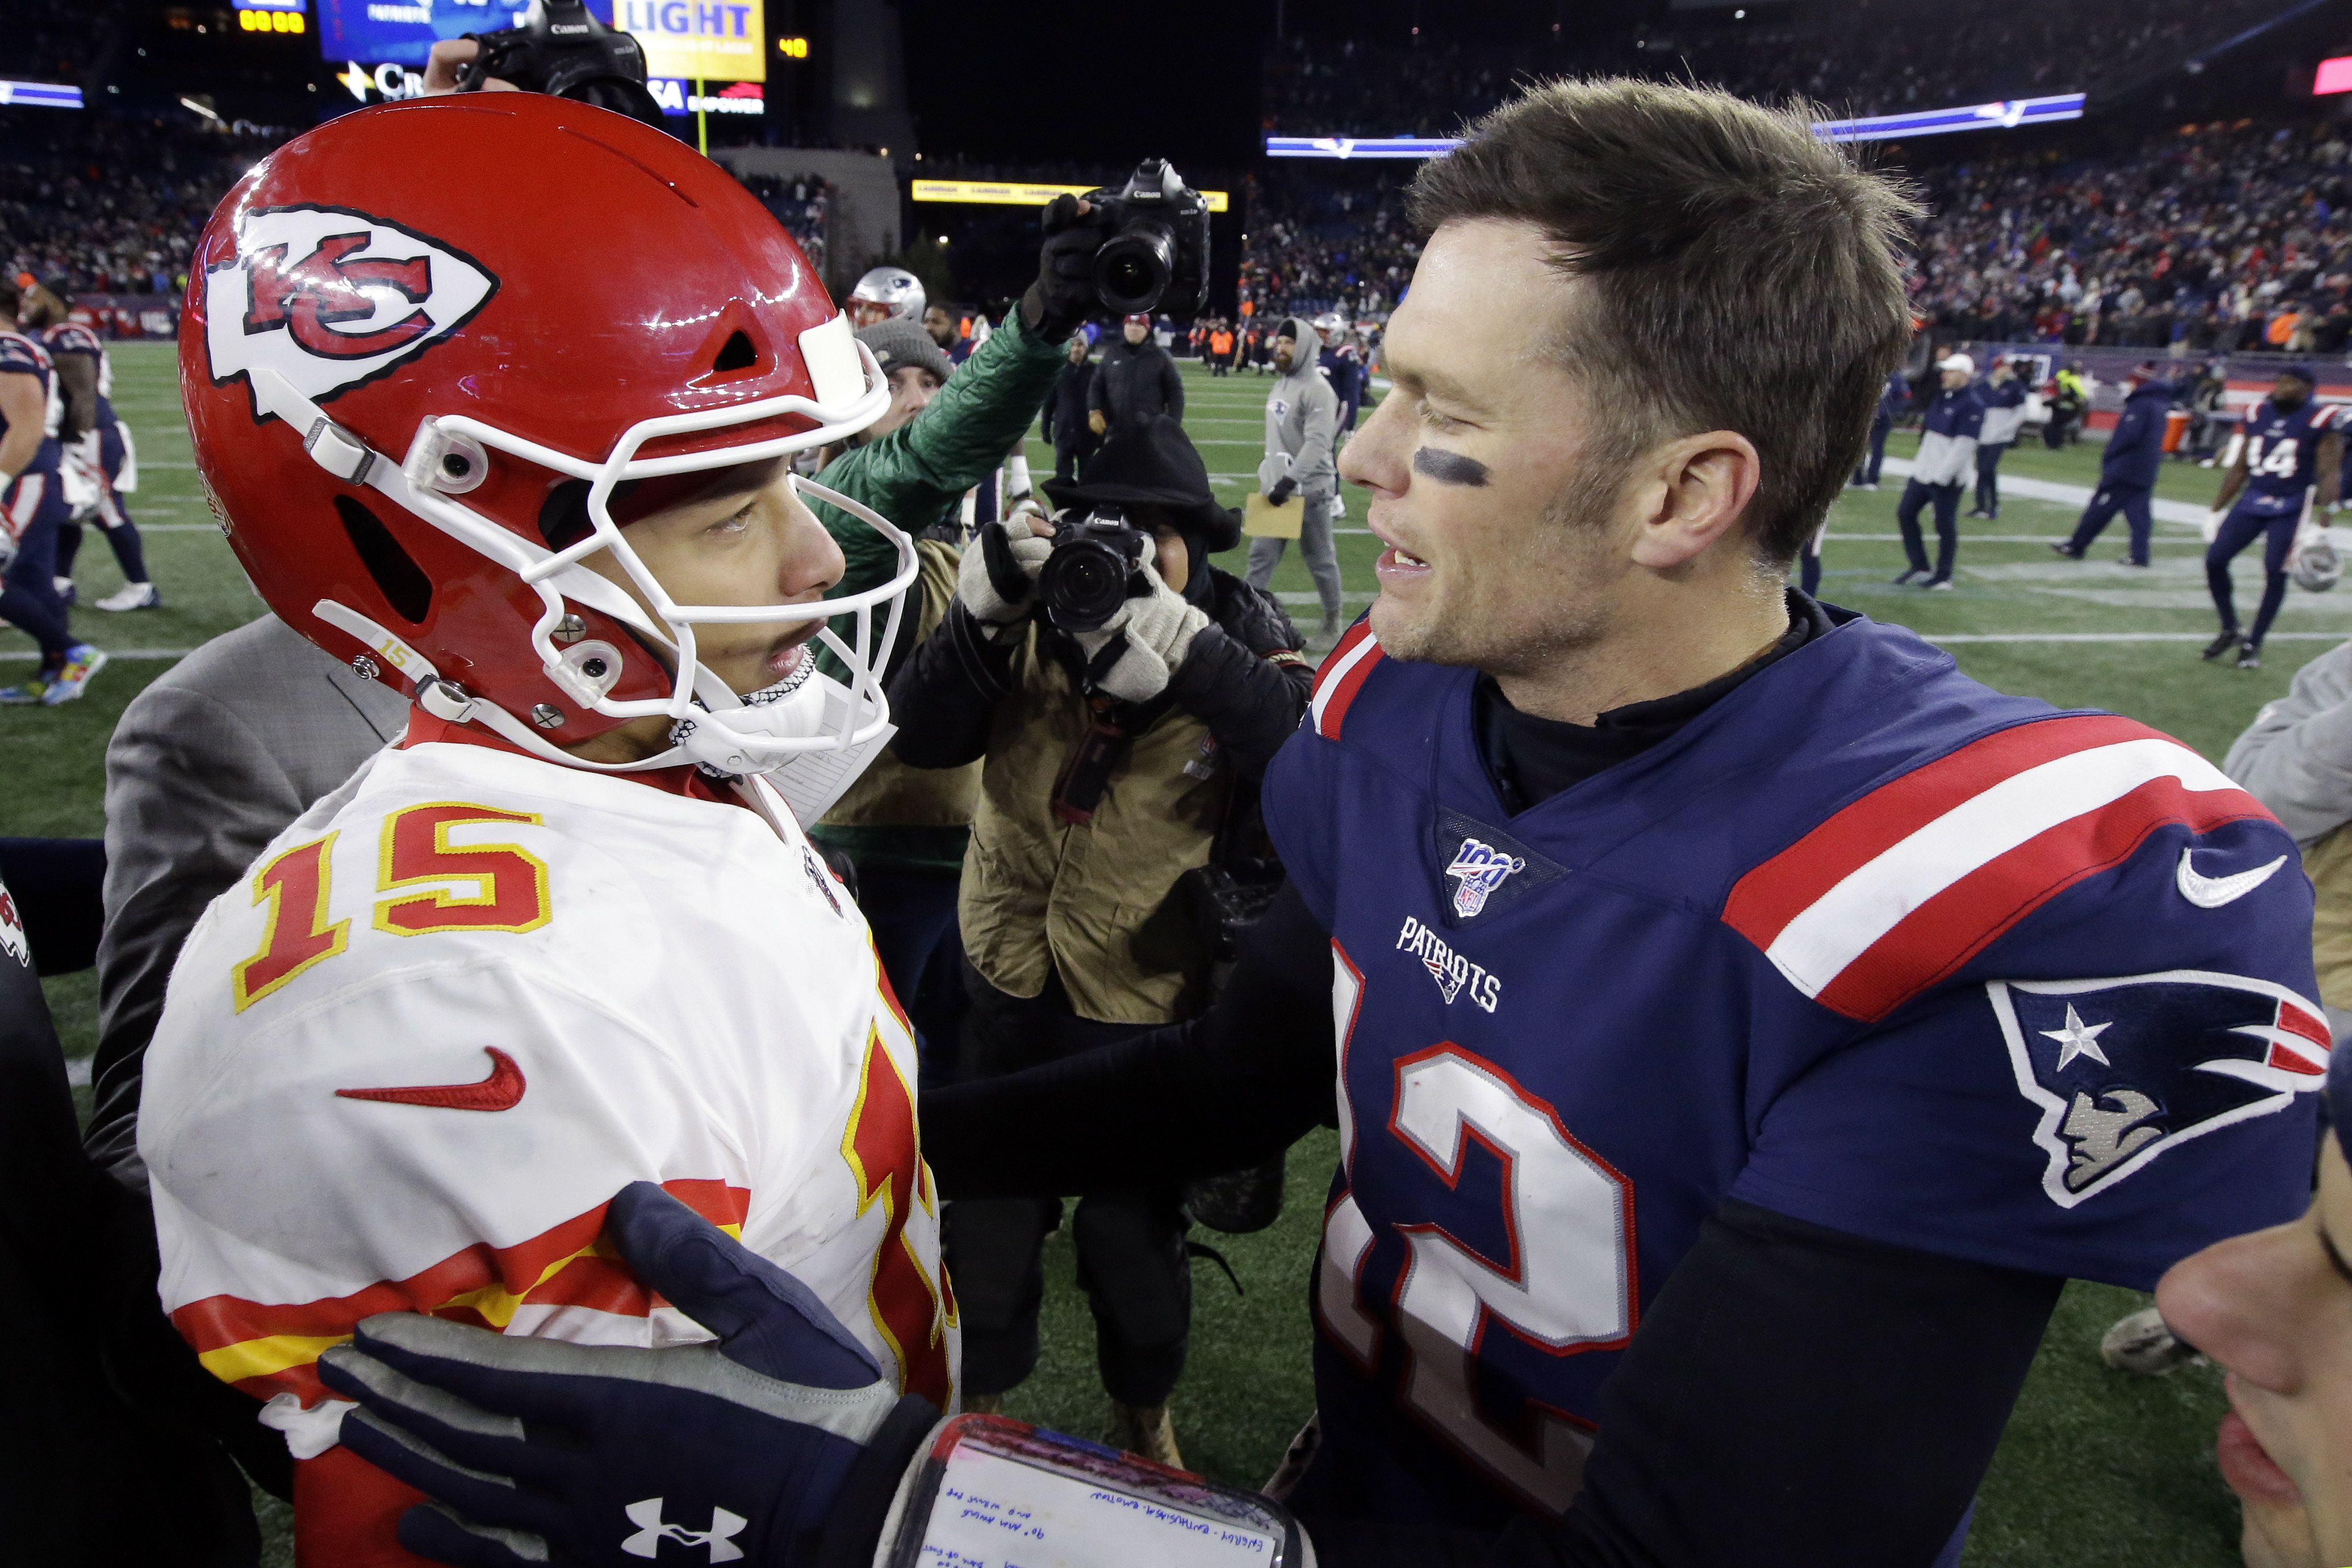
(73, 338)
(20, 355)
(1864, 943)
(1343, 367)
(2281, 450)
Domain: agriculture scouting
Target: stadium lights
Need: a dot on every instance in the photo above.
(1017, 194)
(206, 109)
(40, 95)
(2004, 116)
(1359, 146)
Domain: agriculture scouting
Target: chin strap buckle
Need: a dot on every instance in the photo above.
(339, 451)
(445, 701)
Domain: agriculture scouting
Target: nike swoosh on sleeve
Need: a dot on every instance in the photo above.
(2212, 893)
(502, 1091)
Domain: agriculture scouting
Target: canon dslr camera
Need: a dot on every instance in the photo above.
(558, 48)
(1096, 566)
(1157, 259)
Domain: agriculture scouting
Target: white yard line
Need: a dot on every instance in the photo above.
(129, 652)
(2117, 636)
(2181, 511)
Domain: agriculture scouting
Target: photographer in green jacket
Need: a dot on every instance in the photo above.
(904, 829)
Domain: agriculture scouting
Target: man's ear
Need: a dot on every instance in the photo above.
(1691, 492)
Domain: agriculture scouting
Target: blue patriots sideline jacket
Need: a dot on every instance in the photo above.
(1864, 943)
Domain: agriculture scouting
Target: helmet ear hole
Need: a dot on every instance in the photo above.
(736, 353)
(398, 577)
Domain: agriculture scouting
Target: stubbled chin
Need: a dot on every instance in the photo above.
(2248, 1469)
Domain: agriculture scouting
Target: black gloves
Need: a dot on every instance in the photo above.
(1064, 294)
(1283, 487)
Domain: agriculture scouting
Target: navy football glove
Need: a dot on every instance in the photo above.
(780, 1447)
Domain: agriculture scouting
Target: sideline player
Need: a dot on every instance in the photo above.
(569, 935)
(1743, 1022)
(1342, 364)
(2294, 446)
(32, 507)
(885, 293)
(97, 446)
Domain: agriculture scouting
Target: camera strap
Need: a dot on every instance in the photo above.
(1087, 774)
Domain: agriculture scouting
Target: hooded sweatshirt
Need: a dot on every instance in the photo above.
(1302, 415)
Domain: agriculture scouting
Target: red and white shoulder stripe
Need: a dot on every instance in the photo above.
(1900, 889)
(2331, 416)
(1344, 669)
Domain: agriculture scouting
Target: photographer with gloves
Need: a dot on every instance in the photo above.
(904, 829)
(1302, 422)
(1116, 759)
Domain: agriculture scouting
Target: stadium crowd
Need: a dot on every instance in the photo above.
(2212, 239)
(1855, 57)
(801, 205)
(112, 205)
(54, 40)
(1317, 245)
(2221, 237)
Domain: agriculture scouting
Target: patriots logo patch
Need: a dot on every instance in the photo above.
(2122, 1070)
(332, 299)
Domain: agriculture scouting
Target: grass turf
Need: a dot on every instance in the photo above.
(2095, 1469)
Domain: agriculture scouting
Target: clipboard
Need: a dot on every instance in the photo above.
(1262, 519)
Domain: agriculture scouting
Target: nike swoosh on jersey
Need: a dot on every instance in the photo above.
(502, 1091)
(2212, 893)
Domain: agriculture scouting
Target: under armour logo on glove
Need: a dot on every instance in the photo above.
(646, 1515)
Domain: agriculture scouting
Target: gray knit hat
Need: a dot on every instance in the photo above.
(897, 344)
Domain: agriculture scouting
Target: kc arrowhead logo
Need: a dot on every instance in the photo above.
(332, 299)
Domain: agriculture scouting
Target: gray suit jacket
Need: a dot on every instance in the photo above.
(207, 765)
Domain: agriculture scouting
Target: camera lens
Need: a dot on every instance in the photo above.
(1132, 268)
(1083, 585)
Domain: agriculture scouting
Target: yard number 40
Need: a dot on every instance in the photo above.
(510, 892)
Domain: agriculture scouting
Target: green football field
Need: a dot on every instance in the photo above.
(2096, 1468)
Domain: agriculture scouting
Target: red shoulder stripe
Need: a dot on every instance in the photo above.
(1899, 889)
(1343, 674)
(1767, 898)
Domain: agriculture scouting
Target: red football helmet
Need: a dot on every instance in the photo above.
(430, 349)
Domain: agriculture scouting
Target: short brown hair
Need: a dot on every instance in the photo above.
(1744, 272)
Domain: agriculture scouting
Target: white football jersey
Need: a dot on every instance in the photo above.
(462, 1002)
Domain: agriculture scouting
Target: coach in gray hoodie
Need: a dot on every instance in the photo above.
(1302, 413)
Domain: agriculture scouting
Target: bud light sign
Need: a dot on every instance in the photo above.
(713, 40)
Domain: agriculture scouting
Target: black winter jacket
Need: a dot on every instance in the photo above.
(1065, 413)
(1135, 382)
